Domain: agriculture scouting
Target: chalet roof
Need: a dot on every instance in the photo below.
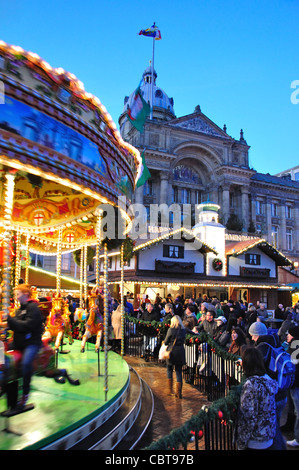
(186, 235)
(237, 248)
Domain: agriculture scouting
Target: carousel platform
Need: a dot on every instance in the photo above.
(82, 417)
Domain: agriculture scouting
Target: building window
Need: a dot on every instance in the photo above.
(253, 259)
(186, 196)
(296, 175)
(36, 260)
(264, 297)
(274, 232)
(274, 209)
(148, 188)
(289, 239)
(173, 251)
(258, 228)
(174, 194)
(288, 212)
(197, 197)
(66, 262)
(259, 207)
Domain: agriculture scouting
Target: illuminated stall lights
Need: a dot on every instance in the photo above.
(201, 284)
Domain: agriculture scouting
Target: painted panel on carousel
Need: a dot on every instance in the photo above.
(26, 121)
(50, 107)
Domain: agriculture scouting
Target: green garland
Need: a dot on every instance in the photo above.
(90, 255)
(128, 245)
(155, 328)
(223, 409)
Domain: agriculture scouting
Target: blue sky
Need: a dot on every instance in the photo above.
(234, 58)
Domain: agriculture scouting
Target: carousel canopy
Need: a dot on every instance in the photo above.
(63, 152)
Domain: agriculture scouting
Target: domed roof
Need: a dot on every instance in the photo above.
(161, 100)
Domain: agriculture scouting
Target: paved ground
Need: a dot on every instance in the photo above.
(170, 412)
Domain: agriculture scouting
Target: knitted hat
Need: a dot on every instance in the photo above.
(223, 319)
(258, 329)
(294, 331)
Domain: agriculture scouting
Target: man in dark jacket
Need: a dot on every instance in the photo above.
(27, 327)
(150, 314)
(209, 325)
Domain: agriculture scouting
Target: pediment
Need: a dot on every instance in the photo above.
(199, 123)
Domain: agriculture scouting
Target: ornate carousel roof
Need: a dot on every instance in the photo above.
(63, 150)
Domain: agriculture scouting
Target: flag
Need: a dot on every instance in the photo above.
(144, 173)
(152, 32)
(138, 111)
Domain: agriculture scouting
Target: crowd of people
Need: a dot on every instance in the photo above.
(227, 322)
(242, 329)
(239, 328)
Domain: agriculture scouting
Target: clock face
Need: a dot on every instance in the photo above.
(217, 264)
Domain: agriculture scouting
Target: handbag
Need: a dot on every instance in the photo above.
(164, 353)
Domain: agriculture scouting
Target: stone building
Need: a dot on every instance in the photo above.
(191, 160)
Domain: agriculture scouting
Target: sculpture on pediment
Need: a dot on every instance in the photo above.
(198, 124)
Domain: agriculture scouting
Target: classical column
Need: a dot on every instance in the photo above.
(282, 242)
(244, 208)
(253, 208)
(225, 202)
(164, 188)
(269, 220)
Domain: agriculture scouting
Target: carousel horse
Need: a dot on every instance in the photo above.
(44, 303)
(44, 364)
(94, 321)
(58, 322)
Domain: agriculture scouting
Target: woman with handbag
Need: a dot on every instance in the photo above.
(175, 340)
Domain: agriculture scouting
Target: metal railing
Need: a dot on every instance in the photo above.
(207, 369)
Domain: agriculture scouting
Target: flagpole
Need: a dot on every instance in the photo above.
(152, 84)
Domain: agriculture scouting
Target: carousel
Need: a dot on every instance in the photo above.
(64, 167)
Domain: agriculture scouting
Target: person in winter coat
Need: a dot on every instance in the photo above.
(151, 313)
(189, 319)
(293, 340)
(238, 343)
(285, 326)
(175, 340)
(256, 419)
(263, 341)
(27, 327)
(221, 335)
(209, 325)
